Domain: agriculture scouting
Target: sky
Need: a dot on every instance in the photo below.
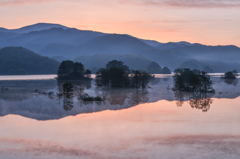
(210, 22)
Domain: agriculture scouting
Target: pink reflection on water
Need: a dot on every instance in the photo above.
(151, 130)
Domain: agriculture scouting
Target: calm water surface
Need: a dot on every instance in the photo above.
(130, 123)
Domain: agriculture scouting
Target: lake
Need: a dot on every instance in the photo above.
(37, 122)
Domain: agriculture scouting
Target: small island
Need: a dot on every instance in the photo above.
(187, 80)
(68, 70)
(230, 75)
(116, 74)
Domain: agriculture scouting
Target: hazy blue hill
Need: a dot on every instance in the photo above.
(4, 36)
(36, 27)
(217, 66)
(24, 39)
(153, 43)
(172, 45)
(18, 60)
(36, 40)
(57, 40)
(70, 36)
(134, 61)
(114, 44)
(3, 29)
(60, 58)
(220, 53)
(57, 49)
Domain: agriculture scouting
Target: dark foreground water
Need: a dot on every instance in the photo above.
(130, 123)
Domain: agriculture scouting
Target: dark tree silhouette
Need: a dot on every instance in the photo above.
(117, 64)
(87, 73)
(116, 74)
(68, 70)
(230, 74)
(140, 78)
(192, 81)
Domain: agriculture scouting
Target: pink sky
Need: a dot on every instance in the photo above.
(211, 22)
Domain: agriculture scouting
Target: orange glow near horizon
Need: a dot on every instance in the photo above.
(196, 24)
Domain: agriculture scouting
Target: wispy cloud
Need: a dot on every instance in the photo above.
(188, 3)
(16, 2)
(170, 3)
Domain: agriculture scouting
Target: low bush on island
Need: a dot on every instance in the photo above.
(230, 74)
(85, 97)
(116, 74)
(69, 70)
(192, 81)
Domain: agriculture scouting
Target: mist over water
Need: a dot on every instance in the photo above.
(133, 123)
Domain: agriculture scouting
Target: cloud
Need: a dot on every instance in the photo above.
(16, 2)
(188, 3)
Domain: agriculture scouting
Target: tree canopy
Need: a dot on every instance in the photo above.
(116, 74)
(68, 70)
(192, 81)
(230, 74)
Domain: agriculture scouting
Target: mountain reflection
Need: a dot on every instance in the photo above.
(199, 100)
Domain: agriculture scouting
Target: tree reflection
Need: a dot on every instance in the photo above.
(228, 81)
(200, 101)
(68, 89)
(179, 95)
(67, 96)
(129, 96)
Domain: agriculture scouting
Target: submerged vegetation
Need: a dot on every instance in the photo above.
(116, 74)
(86, 97)
(192, 81)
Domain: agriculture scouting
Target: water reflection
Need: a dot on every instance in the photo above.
(22, 90)
(199, 100)
(48, 102)
(228, 81)
(123, 96)
(68, 89)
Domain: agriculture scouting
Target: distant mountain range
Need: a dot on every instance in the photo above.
(54, 40)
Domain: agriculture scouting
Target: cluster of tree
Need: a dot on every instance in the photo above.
(192, 81)
(69, 70)
(230, 74)
(116, 74)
